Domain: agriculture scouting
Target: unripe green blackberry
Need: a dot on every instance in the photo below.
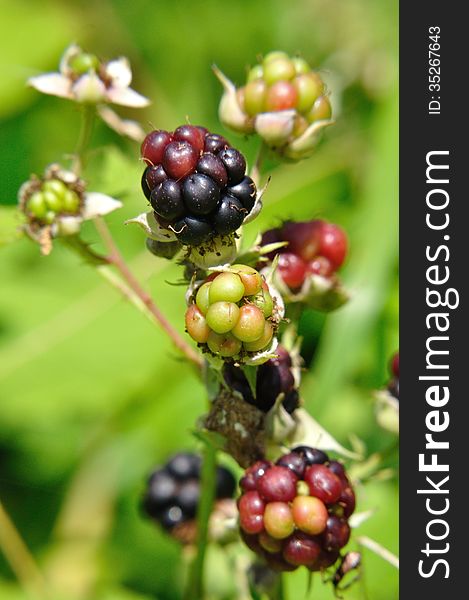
(237, 308)
(281, 101)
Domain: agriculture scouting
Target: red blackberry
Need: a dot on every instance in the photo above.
(295, 512)
(203, 172)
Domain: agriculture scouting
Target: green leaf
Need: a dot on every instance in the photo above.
(10, 225)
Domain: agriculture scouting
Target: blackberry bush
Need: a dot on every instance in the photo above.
(295, 512)
(292, 513)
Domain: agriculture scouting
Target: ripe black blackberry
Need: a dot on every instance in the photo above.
(296, 512)
(273, 378)
(173, 491)
(196, 183)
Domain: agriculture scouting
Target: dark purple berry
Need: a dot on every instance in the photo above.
(214, 143)
(184, 465)
(248, 482)
(235, 165)
(200, 193)
(301, 549)
(145, 189)
(236, 380)
(180, 159)
(154, 176)
(163, 249)
(225, 483)
(166, 200)
(160, 493)
(245, 191)
(171, 517)
(211, 165)
(337, 533)
(153, 146)
(278, 484)
(192, 231)
(188, 496)
(291, 401)
(323, 483)
(393, 388)
(191, 134)
(338, 469)
(268, 386)
(294, 462)
(313, 456)
(347, 501)
(229, 215)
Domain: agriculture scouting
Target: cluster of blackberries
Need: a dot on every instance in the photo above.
(273, 378)
(231, 312)
(296, 512)
(196, 183)
(51, 197)
(173, 491)
(314, 248)
(393, 385)
(282, 83)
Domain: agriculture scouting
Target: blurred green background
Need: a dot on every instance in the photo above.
(92, 396)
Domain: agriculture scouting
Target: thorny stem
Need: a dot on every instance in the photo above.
(195, 583)
(83, 138)
(19, 557)
(115, 258)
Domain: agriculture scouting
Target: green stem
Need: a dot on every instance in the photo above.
(19, 557)
(84, 137)
(195, 583)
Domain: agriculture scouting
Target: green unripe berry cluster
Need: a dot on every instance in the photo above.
(231, 313)
(282, 83)
(54, 197)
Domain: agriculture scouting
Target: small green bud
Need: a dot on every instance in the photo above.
(321, 110)
(254, 96)
(274, 55)
(83, 62)
(54, 202)
(257, 72)
(309, 88)
(55, 186)
(301, 66)
(279, 69)
(71, 201)
(49, 217)
(36, 205)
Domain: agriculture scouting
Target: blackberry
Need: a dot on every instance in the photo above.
(314, 248)
(192, 231)
(393, 385)
(272, 378)
(222, 315)
(166, 200)
(229, 215)
(201, 194)
(196, 183)
(245, 192)
(295, 513)
(173, 490)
